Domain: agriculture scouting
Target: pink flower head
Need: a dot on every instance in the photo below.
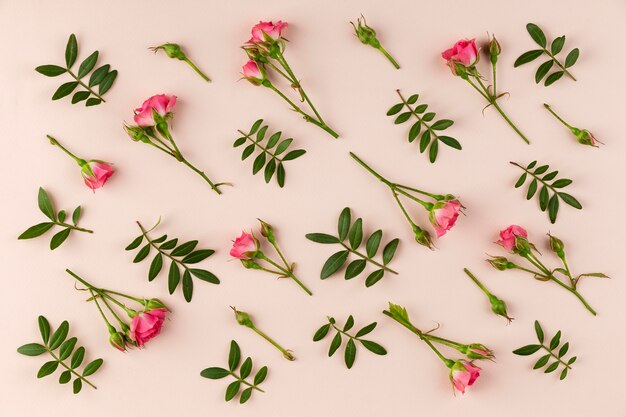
(161, 103)
(262, 30)
(96, 173)
(444, 215)
(252, 72)
(244, 246)
(463, 52)
(463, 374)
(507, 236)
(146, 325)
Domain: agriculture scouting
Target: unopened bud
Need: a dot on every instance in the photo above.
(499, 307)
(501, 263)
(172, 50)
(243, 318)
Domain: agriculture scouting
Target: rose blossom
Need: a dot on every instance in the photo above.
(146, 325)
(161, 103)
(463, 52)
(478, 351)
(273, 30)
(96, 173)
(507, 236)
(463, 374)
(252, 72)
(444, 215)
(243, 246)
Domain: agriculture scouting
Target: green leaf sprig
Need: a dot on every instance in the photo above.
(180, 256)
(557, 357)
(350, 351)
(244, 319)
(430, 137)
(549, 188)
(56, 219)
(353, 232)
(174, 51)
(556, 46)
(270, 152)
(61, 349)
(241, 378)
(102, 77)
(498, 306)
(367, 35)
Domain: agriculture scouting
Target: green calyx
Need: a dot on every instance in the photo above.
(243, 318)
(172, 50)
(365, 33)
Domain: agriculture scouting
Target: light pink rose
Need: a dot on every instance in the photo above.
(252, 72)
(463, 52)
(244, 246)
(444, 215)
(273, 30)
(161, 103)
(146, 325)
(507, 236)
(463, 374)
(96, 173)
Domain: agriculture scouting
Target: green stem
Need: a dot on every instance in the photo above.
(535, 176)
(446, 342)
(389, 57)
(130, 297)
(569, 74)
(371, 171)
(296, 82)
(76, 374)
(108, 323)
(493, 71)
(245, 382)
(437, 197)
(263, 148)
(55, 142)
(144, 232)
(197, 70)
(284, 271)
(556, 357)
(476, 281)
(117, 317)
(100, 291)
(367, 258)
(214, 187)
(557, 116)
(428, 206)
(288, 355)
(406, 215)
(69, 226)
(433, 133)
(85, 86)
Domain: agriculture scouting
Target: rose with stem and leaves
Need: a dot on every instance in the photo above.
(583, 136)
(462, 59)
(515, 240)
(244, 319)
(367, 36)
(174, 51)
(443, 212)
(265, 49)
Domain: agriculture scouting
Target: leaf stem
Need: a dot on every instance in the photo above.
(79, 376)
(569, 74)
(557, 116)
(288, 355)
(414, 113)
(197, 70)
(85, 86)
(389, 57)
(556, 357)
(367, 258)
(534, 176)
(263, 148)
(69, 226)
(245, 382)
(158, 249)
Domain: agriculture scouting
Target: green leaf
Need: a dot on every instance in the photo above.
(107, 82)
(366, 330)
(76, 215)
(343, 226)
(280, 175)
(294, 154)
(50, 70)
(260, 375)
(563, 374)
(185, 248)
(232, 390)
(65, 377)
(45, 204)
(373, 347)
(239, 142)
(527, 350)
(373, 243)
(142, 254)
(543, 198)
(259, 162)
(71, 51)
(561, 183)
(187, 286)
(98, 75)
(64, 90)
(550, 176)
(270, 168)
(570, 200)
(334, 345)
(355, 235)
(255, 127)
(282, 146)
(36, 230)
(92, 367)
(556, 340)
(61, 215)
(350, 353)
(571, 360)
(557, 45)
(543, 70)
(349, 323)
(552, 367)
(170, 244)
(333, 263)
(47, 368)
(273, 140)
(532, 188)
(395, 109)
(247, 152)
(531, 165)
(77, 357)
(135, 243)
(521, 180)
(542, 361)
(434, 150)
(80, 96)
(541, 169)
(442, 124)
(527, 57)
(59, 335)
(421, 108)
(415, 130)
(319, 334)
(234, 355)
(44, 328)
(563, 350)
(88, 64)
(322, 238)
(67, 348)
(355, 268)
(539, 331)
(261, 135)
(93, 102)
(424, 141)
(374, 277)
(173, 277)
(59, 238)
(390, 251)
(246, 368)
(413, 99)
(572, 57)
(245, 395)
(197, 256)
(31, 349)
(537, 34)
(553, 208)
(403, 117)
(204, 275)
(214, 373)
(77, 385)
(555, 76)
(155, 267)
(451, 142)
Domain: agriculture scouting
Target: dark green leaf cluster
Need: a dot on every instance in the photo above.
(548, 186)
(557, 46)
(350, 351)
(47, 207)
(430, 137)
(60, 348)
(353, 233)
(234, 358)
(270, 151)
(103, 77)
(553, 355)
(180, 256)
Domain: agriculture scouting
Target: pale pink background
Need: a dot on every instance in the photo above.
(353, 86)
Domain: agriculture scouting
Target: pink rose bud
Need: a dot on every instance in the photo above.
(118, 341)
(585, 137)
(444, 214)
(463, 374)
(508, 236)
(252, 72)
(96, 173)
(146, 325)
(464, 52)
(267, 31)
(478, 351)
(245, 246)
(161, 104)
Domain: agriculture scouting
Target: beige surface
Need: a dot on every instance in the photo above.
(353, 87)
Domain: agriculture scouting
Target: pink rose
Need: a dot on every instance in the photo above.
(507, 236)
(463, 52)
(270, 29)
(96, 173)
(463, 374)
(253, 73)
(146, 325)
(444, 215)
(244, 246)
(161, 103)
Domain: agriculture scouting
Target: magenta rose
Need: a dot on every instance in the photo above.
(272, 30)
(96, 173)
(507, 236)
(161, 103)
(443, 216)
(253, 73)
(146, 325)
(244, 246)
(463, 52)
(463, 374)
